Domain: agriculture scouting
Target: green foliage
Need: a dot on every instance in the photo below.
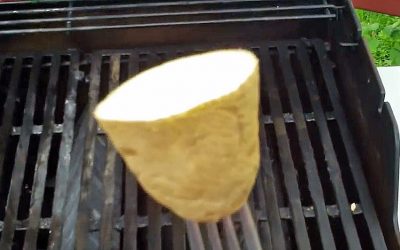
(382, 33)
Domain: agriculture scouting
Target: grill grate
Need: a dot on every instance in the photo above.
(63, 184)
(61, 16)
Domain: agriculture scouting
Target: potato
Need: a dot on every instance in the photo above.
(188, 129)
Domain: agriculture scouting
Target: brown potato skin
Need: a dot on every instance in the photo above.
(201, 164)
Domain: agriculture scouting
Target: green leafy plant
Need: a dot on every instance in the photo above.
(382, 33)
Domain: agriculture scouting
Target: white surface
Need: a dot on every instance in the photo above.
(391, 81)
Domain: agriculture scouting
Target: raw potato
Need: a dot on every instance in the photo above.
(188, 130)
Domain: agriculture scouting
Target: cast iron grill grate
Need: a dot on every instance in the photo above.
(64, 186)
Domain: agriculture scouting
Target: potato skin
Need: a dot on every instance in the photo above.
(201, 164)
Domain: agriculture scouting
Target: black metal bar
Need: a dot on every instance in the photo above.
(251, 201)
(162, 14)
(168, 220)
(21, 154)
(349, 228)
(314, 182)
(230, 234)
(128, 6)
(106, 231)
(70, 208)
(2, 136)
(40, 174)
(165, 24)
(289, 171)
(117, 239)
(178, 233)
(9, 106)
(352, 155)
(131, 189)
(309, 212)
(82, 225)
(130, 215)
(115, 6)
(249, 228)
(213, 236)
(64, 155)
(268, 181)
(117, 194)
(154, 228)
(194, 235)
(289, 117)
(263, 226)
(38, 129)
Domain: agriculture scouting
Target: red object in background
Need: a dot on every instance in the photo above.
(391, 7)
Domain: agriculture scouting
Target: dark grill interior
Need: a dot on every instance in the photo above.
(311, 191)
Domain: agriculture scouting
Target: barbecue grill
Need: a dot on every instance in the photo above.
(329, 143)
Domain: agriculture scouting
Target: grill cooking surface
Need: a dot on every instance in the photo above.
(62, 183)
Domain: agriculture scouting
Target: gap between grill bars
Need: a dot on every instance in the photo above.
(64, 186)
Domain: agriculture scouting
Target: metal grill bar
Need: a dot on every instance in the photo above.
(314, 183)
(213, 236)
(38, 129)
(288, 118)
(230, 234)
(70, 209)
(251, 201)
(130, 216)
(348, 141)
(118, 203)
(154, 229)
(3, 130)
(249, 228)
(178, 233)
(194, 234)
(263, 227)
(43, 154)
(9, 106)
(309, 212)
(163, 24)
(168, 219)
(289, 171)
(268, 181)
(64, 155)
(161, 14)
(136, 6)
(59, 18)
(106, 234)
(131, 189)
(20, 160)
(349, 228)
(82, 226)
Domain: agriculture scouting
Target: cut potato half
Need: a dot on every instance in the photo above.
(188, 129)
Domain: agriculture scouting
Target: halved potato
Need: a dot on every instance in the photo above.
(188, 130)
